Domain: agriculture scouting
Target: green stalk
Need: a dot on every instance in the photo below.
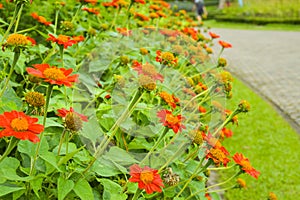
(61, 51)
(219, 190)
(222, 183)
(136, 194)
(61, 141)
(11, 22)
(18, 18)
(48, 95)
(56, 21)
(220, 168)
(77, 11)
(16, 58)
(194, 174)
(12, 144)
(161, 137)
(137, 97)
(226, 121)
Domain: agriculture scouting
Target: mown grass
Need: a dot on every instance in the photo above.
(271, 145)
(248, 26)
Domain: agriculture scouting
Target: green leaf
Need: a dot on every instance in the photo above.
(91, 130)
(50, 158)
(4, 190)
(36, 185)
(120, 156)
(132, 187)
(112, 190)
(10, 101)
(64, 187)
(29, 148)
(70, 155)
(83, 190)
(8, 169)
(140, 143)
(105, 168)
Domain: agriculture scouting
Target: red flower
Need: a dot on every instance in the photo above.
(141, 16)
(226, 132)
(166, 58)
(93, 2)
(146, 178)
(53, 75)
(245, 165)
(140, 1)
(33, 42)
(171, 121)
(213, 35)
(124, 31)
(92, 10)
(40, 19)
(171, 100)
(77, 39)
(64, 112)
(225, 44)
(202, 109)
(148, 70)
(62, 40)
(20, 125)
(1, 6)
(219, 155)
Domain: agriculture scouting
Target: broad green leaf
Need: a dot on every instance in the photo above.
(9, 189)
(120, 156)
(132, 187)
(29, 148)
(105, 168)
(36, 185)
(64, 187)
(112, 190)
(215, 196)
(71, 148)
(50, 122)
(8, 169)
(83, 189)
(50, 158)
(10, 101)
(70, 155)
(91, 130)
(140, 143)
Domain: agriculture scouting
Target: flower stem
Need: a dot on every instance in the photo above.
(161, 137)
(220, 168)
(11, 22)
(194, 174)
(225, 122)
(12, 143)
(61, 51)
(136, 194)
(224, 182)
(77, 11)
(16, 58)
(48, 95)
(61, 141)
(18, 18)
(136, 98)
(56, 20)
(219, 190)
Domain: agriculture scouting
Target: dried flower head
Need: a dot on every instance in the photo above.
(147, 82)
(171, 178)
(35, 99)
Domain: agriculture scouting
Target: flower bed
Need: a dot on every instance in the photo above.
(112, 100)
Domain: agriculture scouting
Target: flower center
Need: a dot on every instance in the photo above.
(17, 39)
(146, 177)
(246, 165)
(167, 56)
(171, 119)
(149, 69)
(54, 74)
(218, 154)
(19, 124)
(63, 38)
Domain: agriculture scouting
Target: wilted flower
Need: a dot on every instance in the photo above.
(171, 178)
(222, 62)
(244, 106)
(73, 120)
(147, 82)
(35, 99)
(148, 70)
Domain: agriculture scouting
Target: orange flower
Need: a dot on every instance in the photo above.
(140, 1)
(40, 19)
(146, 178)
(226, 132)
(245, 165)
(171, 100)
(1, 6)
(92, 10)
(53, 75)
(148, 70)
(93, 2)
(77, 39)
(124, 31)
(225, 44)
(202, 109)
(155, 7)
(171, 121)
(33, 42)
(62, 40)
(20, 125)
(213, 35)
(141, 17)
(166, 58)
(219, 155)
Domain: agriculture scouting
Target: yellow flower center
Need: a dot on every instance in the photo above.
(19, 124)
(146, 177)
(171, 119)
(246, 165)
(63, 38)
(54, 74)
(167, 56)
(35, 99)
(17, 39)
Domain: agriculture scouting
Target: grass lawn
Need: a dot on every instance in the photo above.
(279, 27)
(271, 145)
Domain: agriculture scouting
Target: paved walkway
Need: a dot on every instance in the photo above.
(269, 62)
